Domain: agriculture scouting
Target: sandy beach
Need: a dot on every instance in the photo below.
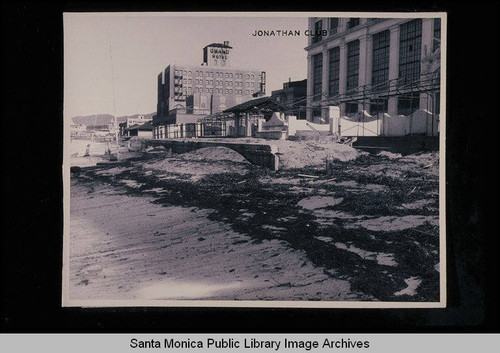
(208, 225)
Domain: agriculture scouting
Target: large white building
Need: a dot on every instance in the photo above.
(377, 65)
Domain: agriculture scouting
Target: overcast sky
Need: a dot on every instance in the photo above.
(111, 61)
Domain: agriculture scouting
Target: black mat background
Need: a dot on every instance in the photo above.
(31, 136)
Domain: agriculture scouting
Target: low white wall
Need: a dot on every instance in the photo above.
(363, 124)
(349, 127)
(423, 122)
(360, 124)
(420, 122)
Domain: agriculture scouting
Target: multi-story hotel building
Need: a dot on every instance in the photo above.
(377, 65)
(186, 93)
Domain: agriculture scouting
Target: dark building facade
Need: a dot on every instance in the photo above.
(292, 98)
(377, 65)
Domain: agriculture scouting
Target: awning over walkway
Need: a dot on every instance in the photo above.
(256, 106)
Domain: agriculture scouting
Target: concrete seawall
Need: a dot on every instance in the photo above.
(258, 154)
(398, 144)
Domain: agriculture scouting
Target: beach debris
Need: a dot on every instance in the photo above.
(308, 176)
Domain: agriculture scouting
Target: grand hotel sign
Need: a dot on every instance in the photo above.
(219, 53)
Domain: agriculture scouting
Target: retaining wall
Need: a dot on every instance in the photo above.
(258, 154)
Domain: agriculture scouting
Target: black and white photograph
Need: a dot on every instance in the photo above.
(268, 159)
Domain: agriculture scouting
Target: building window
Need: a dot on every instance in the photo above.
(353, 22)
(334, 24)
(407, 104)
(410, 43)
(351, 108)
(334, 75)
(352, 65)
(317, 75)
(318, 27)
(380, 60)
(437, 34)
(378, 106)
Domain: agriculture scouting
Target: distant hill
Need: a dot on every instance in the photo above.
(104, 119)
